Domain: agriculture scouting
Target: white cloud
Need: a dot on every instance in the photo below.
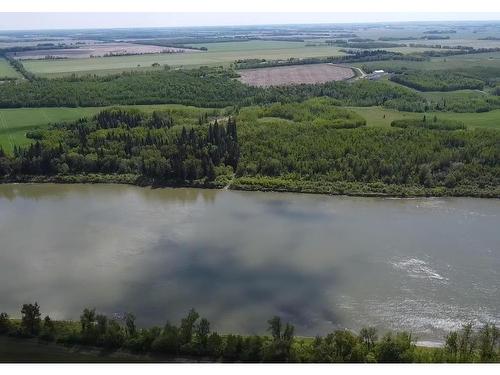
(75, 20)
(252, 6)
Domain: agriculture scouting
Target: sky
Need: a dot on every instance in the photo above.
(34, 21)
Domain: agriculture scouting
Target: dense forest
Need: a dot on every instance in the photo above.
(437, 81)
(125, 142)
(195, 338)
(279, 153)
(317, 111)
(310, 146)
(211, 87)
(363, 93)
(202, 87)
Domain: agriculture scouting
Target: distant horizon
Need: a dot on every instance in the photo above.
(18, 22)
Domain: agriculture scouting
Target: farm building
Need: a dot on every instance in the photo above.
(376, 74)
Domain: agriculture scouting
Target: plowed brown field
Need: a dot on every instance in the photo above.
(288, 75)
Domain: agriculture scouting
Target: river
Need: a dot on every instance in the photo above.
(321, 262)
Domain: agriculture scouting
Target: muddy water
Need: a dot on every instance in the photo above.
(426, 265)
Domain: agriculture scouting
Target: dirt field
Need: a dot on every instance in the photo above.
(287, 75)
(97, 50)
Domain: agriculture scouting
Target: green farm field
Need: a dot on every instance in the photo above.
(14, 123)
(378, 116)
(6, 71)
(251, 45)
(218, 54)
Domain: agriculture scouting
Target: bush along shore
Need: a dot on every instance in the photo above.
(313, 147)
(195, 340)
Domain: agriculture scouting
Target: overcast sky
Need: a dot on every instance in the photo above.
(32, 21)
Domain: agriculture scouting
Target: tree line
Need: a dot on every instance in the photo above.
(437, 80)
(364, 44)
(424, 122)
(457, 50)
(200, 87)
(195, 338)
(18, 66)
(350, 57)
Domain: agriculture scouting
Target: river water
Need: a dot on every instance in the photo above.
(426, 265)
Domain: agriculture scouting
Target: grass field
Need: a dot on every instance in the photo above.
(14, 123)
(6, 71)
(218, 54)
(466, 93)
(251, 45)
(378, 116)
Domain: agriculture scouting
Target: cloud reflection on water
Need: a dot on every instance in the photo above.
(241, 257)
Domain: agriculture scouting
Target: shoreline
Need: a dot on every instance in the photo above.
(349, 189)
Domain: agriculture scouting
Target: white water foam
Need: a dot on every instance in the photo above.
(417, 268)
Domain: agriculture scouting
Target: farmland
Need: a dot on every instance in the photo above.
(219, 54)
(97, 50)
(6, 71)
(14, 123)
(222, 46)
(286, 75)
(378, 116)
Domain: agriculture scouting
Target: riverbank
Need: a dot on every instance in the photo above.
(358, 189)
(36, 350)
(267, 184)
(123, 179)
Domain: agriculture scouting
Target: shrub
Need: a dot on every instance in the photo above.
(5, 324)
